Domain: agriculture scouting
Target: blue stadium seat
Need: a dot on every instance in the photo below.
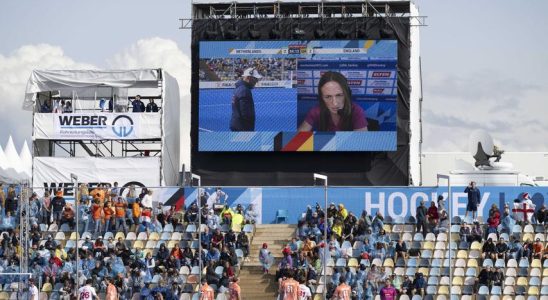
(483, 290)
(281, 216)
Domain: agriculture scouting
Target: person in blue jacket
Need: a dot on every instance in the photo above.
(474, 198)
(243, 106)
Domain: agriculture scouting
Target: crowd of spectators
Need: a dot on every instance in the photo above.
(105, 105)
(109, 256)
(364, 239)
(272, 69)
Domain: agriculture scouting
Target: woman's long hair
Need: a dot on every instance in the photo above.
(346, 112)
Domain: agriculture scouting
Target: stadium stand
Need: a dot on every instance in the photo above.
(486, 262)
(145, 252)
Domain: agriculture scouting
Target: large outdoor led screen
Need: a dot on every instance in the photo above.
(298, 95)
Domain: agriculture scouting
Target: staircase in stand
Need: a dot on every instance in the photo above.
(256, 285)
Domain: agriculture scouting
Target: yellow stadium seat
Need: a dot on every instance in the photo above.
(428, 246)
(353, 263)
(425, 271)
(475, 246)
(462, 254)
(443, 290)
(154, 236)
(533, 290)
(138, 245)
(522, 281)
(536, 263)
(388, 262)
(458, 281)
(120, 234)
(472, 263)
(387, 228)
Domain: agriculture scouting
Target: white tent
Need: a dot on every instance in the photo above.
(26, 159)
(12, 168)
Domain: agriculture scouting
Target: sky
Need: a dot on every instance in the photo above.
(482, 61)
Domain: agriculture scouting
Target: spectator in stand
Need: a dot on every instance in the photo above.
(68, 216)
(58, 204)
(477, 232)
(541, 215)
(108, 213)
(421, 216)
(251, 214)
(465, 233)
(515, 248)
(502, 249)
(484, 278)
(97, 215)
(377, 223)
(538, 249)
(528, 249)
(287, 260)
(265, 257)
(507, 222)
(489, 250)
(8, 222)
(433, 216)
(497, 277)
(494, 219)
(137, 105)
(388, 292)
(401, 250)
(243, 243)
(419, 284)
(474, 198)
(11, 200)
(120, 207)
(151, 106)
(2, 196)
(146, 202)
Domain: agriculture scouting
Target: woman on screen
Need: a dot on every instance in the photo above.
(336, 111)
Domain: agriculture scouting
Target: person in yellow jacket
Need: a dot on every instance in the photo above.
(237, 221)
(337, 228)
(226, 215)
(343, 212)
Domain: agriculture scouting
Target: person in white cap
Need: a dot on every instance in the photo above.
(243, 106)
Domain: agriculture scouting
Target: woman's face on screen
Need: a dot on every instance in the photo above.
(333, 96)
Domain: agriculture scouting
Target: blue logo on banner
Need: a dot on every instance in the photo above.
(120, 127)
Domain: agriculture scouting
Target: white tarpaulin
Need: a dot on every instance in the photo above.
(97, 126)
(55, 171)
(52, 80)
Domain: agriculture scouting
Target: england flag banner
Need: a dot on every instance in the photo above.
(97, 126)
(523, 211)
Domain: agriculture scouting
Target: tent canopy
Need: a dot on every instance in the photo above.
(52, 80)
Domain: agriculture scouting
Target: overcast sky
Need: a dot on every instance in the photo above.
(483, 61)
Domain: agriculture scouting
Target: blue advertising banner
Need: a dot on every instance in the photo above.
(394, 202)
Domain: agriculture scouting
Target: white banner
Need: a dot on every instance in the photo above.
(97, 126)
(54, 172)
(232, 84)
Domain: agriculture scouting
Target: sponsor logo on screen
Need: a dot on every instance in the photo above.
(380, 74)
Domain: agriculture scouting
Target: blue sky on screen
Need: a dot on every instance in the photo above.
(483, 62)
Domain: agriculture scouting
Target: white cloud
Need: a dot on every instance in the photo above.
(511, 110)
(156, 53)
(165, 54)
(15, 70)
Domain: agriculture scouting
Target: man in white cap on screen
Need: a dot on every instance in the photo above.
(243, 107)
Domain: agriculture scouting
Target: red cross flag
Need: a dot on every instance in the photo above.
(524, 211)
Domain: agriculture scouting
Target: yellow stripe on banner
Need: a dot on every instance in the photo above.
(308, 145)
(369, 44)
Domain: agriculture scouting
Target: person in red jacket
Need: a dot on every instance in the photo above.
(494, 219)
(433, 215)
